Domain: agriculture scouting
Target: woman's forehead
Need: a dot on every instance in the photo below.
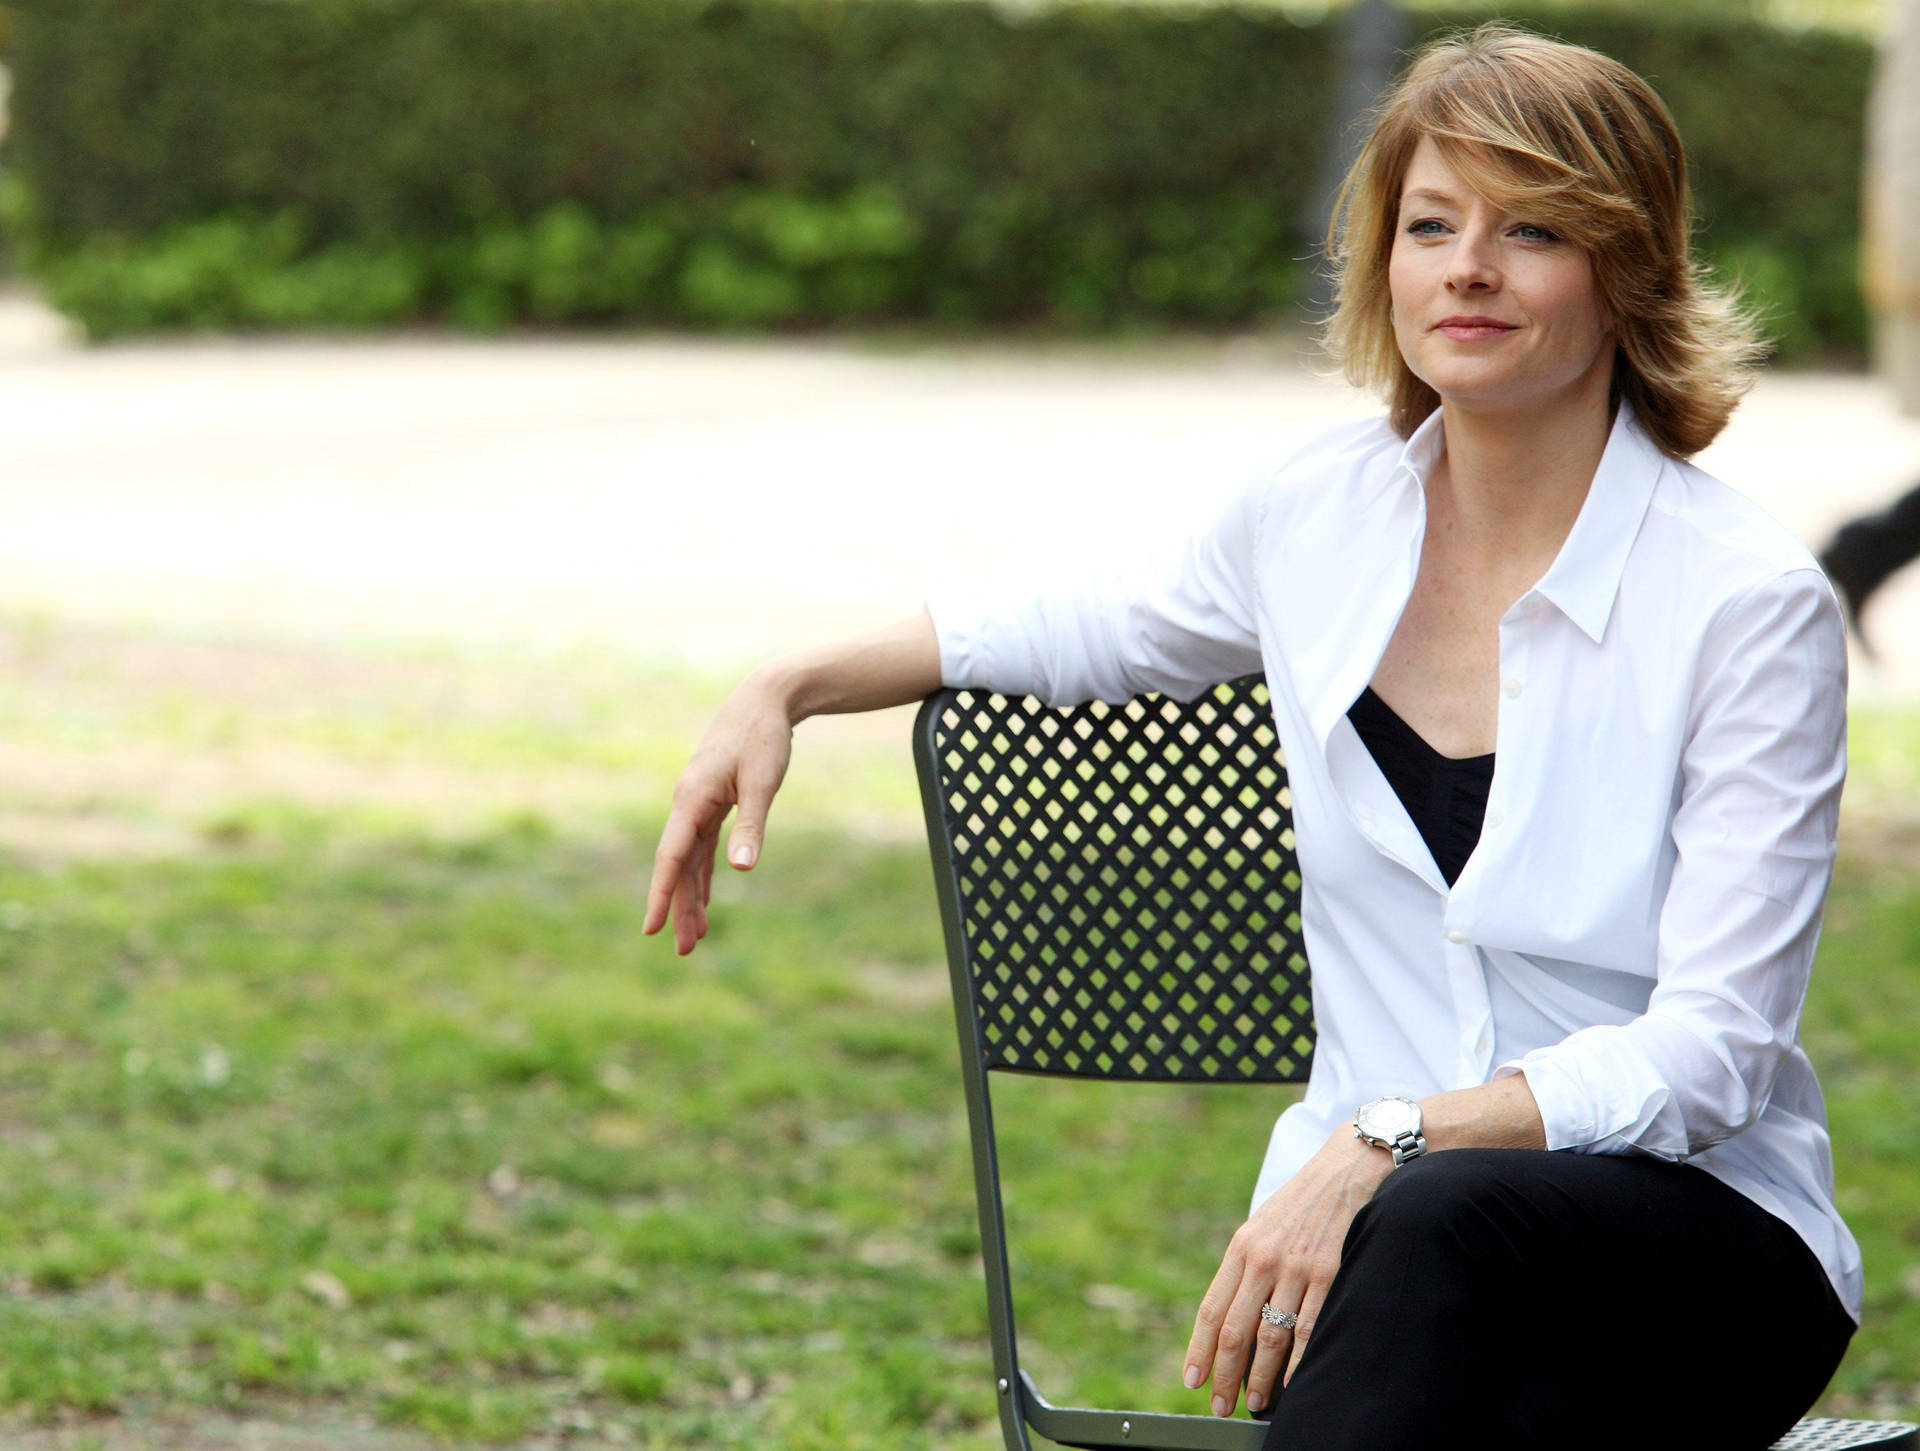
(1429, 166)
(1429, 176)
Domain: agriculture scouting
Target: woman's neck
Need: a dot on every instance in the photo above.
(1507, 489)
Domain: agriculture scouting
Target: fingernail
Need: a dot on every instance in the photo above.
(1255, 1400)
(1192, 1376)
(742, 855)
(1220, 1406)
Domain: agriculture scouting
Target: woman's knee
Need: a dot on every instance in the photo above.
(1438, 1183)
(1460, 1196)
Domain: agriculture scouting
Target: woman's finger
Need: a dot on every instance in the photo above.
(1303, 1332)
(669, 863)
(702, 854)
(760, 778)
(1271, 1344)
(703, 867)
(685, 926)
(1205, 1340)
(1237, 1337)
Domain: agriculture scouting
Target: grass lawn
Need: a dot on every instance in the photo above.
(340, 1090)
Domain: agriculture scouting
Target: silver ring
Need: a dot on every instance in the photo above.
(1285, 1319)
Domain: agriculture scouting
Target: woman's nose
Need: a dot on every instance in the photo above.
(1472, 261)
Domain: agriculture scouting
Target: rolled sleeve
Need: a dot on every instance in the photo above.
(1754, 837)
(982, 642)
(1177, 629)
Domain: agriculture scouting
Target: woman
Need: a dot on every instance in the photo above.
(1564, 723)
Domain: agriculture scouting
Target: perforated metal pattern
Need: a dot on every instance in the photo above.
(1815, 1434)
(1130, 896)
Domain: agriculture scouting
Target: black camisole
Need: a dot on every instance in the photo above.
(1445, 795)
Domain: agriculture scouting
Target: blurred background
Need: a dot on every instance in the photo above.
(419, 414)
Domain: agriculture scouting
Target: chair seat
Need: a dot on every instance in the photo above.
(1817, 1433)
(1074, 1426)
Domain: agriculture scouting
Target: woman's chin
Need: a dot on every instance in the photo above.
(1477, 395)
(1484, 394)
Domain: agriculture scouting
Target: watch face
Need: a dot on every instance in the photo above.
(1383, 1118)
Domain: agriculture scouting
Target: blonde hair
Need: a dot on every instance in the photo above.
(1575, 140)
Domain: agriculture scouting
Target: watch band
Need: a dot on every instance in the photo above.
(1407, 1146)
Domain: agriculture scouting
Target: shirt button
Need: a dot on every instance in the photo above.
(1456, 936)
(1494, 818)
(1513, 689)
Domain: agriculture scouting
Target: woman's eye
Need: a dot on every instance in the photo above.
(1413, 228)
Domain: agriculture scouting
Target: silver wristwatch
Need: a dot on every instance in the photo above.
(1394, 1124)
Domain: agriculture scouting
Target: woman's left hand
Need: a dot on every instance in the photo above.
(1285, 1256)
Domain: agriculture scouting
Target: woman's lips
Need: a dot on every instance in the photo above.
(1466, 333)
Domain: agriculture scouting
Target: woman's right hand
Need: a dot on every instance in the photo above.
(743, 757)
(741, 761)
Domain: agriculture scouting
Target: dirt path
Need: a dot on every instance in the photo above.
(697, 501)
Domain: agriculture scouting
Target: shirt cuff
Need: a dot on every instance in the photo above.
(963, 621)
(1599, 1093)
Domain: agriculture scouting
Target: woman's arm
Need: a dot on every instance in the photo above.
(1500, 1114)
(1179, 629)
(891, 666)
(743, 757)
(1754, 835)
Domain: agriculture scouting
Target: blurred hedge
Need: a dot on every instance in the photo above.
(776, 163)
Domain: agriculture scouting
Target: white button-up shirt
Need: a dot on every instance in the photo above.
(1635, 929)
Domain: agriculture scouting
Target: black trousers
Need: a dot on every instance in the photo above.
(1520, 1298)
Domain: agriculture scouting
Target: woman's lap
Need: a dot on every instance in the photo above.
(1561, 1299)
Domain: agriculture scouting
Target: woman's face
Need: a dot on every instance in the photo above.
(1456, 255)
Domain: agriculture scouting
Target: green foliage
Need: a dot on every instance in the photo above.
(757, 260)
(767, 164)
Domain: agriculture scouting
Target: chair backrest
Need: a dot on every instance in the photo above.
(1121, 901)
(1118, 883)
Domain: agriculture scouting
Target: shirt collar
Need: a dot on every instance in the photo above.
(1584, 578)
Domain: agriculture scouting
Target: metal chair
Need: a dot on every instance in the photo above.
(1121, 902)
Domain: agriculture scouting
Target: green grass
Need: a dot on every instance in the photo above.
(381, 1104)
(552, 1167)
